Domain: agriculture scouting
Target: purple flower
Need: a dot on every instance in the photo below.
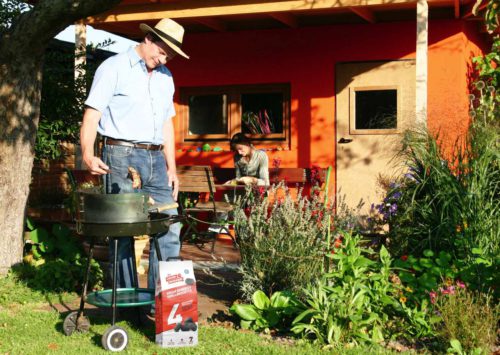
(409, 176)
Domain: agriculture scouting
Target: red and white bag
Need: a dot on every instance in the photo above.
(176, 305)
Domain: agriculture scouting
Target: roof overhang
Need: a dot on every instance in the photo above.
(231, 15)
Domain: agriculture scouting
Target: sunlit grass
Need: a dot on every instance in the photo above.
(31, 324)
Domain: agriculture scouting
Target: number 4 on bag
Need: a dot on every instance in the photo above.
(176, 305)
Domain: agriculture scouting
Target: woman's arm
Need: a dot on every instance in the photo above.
(237, 167)
(264, 168)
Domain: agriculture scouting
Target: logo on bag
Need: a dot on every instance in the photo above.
(171, 279)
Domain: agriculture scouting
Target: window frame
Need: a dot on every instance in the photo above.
(352, 110)
(234, 113)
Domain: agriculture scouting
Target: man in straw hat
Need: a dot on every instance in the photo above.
(130, 105)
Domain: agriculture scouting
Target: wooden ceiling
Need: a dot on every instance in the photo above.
(233, 15)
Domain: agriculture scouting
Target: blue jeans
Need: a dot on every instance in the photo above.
(152, 168)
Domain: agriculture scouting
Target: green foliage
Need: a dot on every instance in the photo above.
(55, 275)
(491, 15)
(424, 274)
(448, 205)
(265, 314)
(469, 321)
(54, 261)
(9, 10)
(488, 66)
(61, 106)
(281, 241)
(42, 244)
(359, 301)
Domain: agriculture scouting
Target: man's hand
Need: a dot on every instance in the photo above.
(96, 166)
(173, 182)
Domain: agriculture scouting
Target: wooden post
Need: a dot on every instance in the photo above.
(79, 75)
(421, 62)
(80, 49)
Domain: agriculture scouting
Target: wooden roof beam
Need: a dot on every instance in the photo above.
(214, 8)
(364, 13)
(456, 6)
(285, 18)
(212, 23)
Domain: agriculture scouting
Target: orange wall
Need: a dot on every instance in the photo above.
(450, 59)
(306, 59)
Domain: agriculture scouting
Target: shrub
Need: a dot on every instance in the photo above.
(469, 318)
(450, 203)
(359, 301)
(53, 260)
(424, 274)
(267, 314)
(446, 205)
(282, 242)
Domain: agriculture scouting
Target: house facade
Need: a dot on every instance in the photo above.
(315, 82)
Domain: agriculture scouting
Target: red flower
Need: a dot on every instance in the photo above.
(433, 296)
(404, 257)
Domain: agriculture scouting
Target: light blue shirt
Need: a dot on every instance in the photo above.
(133, 104)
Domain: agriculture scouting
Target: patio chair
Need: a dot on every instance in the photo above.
(193, 181)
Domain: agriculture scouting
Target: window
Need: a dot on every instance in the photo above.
(217, 113)
(202, 108)
(374, 110)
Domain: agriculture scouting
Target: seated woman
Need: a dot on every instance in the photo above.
(251, 165)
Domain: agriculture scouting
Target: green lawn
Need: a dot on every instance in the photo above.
(29, 325)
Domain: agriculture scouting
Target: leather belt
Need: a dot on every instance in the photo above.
(111, 141)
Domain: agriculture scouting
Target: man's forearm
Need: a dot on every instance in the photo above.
(88, 133)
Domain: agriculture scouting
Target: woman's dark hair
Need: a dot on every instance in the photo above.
(240, 138)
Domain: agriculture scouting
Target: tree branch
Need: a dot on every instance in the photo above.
(32, 30)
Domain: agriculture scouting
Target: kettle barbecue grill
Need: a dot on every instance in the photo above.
(116, 216)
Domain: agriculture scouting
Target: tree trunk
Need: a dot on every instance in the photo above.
(19, 104)
(21, 58)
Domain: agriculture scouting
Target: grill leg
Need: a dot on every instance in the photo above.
(86, 280)
(134, 266)
(115, 269)
(157, 248)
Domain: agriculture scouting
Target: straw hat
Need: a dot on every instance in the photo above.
(170, 32)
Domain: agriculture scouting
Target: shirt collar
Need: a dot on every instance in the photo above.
(133, 57)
